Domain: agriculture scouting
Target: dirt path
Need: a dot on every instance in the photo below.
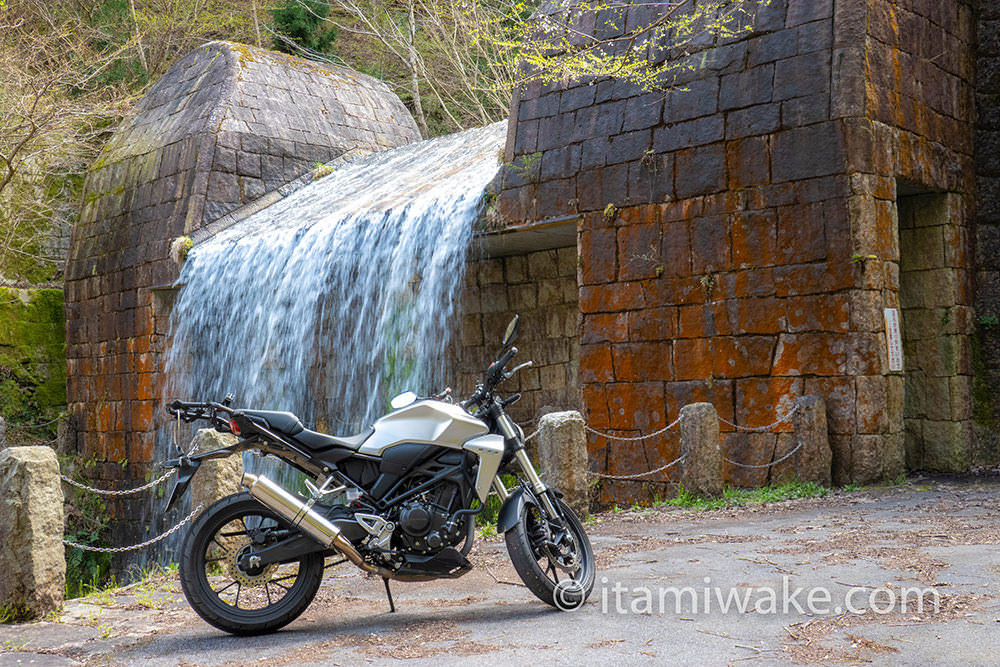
(900, 575)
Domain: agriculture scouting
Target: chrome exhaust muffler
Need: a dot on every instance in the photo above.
(301, 515)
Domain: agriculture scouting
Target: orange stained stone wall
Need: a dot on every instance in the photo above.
(739, 237)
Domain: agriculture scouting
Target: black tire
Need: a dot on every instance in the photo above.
(536, 563)
(235, 600)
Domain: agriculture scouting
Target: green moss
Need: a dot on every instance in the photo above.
(32, 354)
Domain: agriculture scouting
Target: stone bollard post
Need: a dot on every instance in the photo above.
(66, 435)
(562, 454)
(216, 478)
(813, 462)
(701, 469)
(32, 556)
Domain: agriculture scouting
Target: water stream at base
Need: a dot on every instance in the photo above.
(333, 299)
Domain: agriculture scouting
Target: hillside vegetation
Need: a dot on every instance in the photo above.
(70, 70)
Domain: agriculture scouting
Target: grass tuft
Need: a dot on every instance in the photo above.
(735, 497)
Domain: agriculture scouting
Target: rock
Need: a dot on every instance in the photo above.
(216, 478)
(32, 557)
(701, 469)
(562, 455)
(813, 463)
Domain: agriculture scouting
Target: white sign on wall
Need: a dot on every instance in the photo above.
(893, 339)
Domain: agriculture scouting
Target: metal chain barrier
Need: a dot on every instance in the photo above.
(34, 426)
(124, 492)
(637, 438)
(608, 436)
(639, 474)
(762, 429)
(763, 465)
(141, 545)
(752, 429)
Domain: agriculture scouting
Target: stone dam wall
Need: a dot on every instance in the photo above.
(225, 125)
(741, 235)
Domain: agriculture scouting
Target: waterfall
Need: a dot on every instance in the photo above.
(331, 300)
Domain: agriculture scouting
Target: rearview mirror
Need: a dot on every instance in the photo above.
(511, 333)
(402, 400)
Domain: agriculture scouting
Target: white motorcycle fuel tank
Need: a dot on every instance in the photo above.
(428, 422)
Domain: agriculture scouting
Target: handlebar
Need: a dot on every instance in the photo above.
(509, 374)
(495, 374)
(193, 411)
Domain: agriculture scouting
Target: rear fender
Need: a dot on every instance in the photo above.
(187, 466)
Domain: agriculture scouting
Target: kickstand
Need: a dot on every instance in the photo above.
(388, 593)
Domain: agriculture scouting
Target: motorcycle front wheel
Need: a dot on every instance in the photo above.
(224, 590)
(556, 564)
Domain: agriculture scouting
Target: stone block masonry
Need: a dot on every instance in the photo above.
(740, 233)
(541, 288)
(226, 124)
(986, 389)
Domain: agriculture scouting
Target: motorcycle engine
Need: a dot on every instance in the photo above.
(422, 527)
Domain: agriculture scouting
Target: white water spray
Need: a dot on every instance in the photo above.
(341, 294)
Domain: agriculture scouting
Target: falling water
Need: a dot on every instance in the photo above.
(341, 294)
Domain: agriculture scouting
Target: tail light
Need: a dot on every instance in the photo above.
(234, 427)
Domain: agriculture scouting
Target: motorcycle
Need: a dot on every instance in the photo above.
(398, 500)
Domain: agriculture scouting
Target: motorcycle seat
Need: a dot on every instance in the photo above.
(317, 441)
(284, 422)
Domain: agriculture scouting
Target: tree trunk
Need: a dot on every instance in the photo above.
(138, 37)
(418, 108)
(256, 23)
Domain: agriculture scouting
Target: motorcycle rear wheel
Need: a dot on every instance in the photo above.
(227, 595)
(540, 564)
